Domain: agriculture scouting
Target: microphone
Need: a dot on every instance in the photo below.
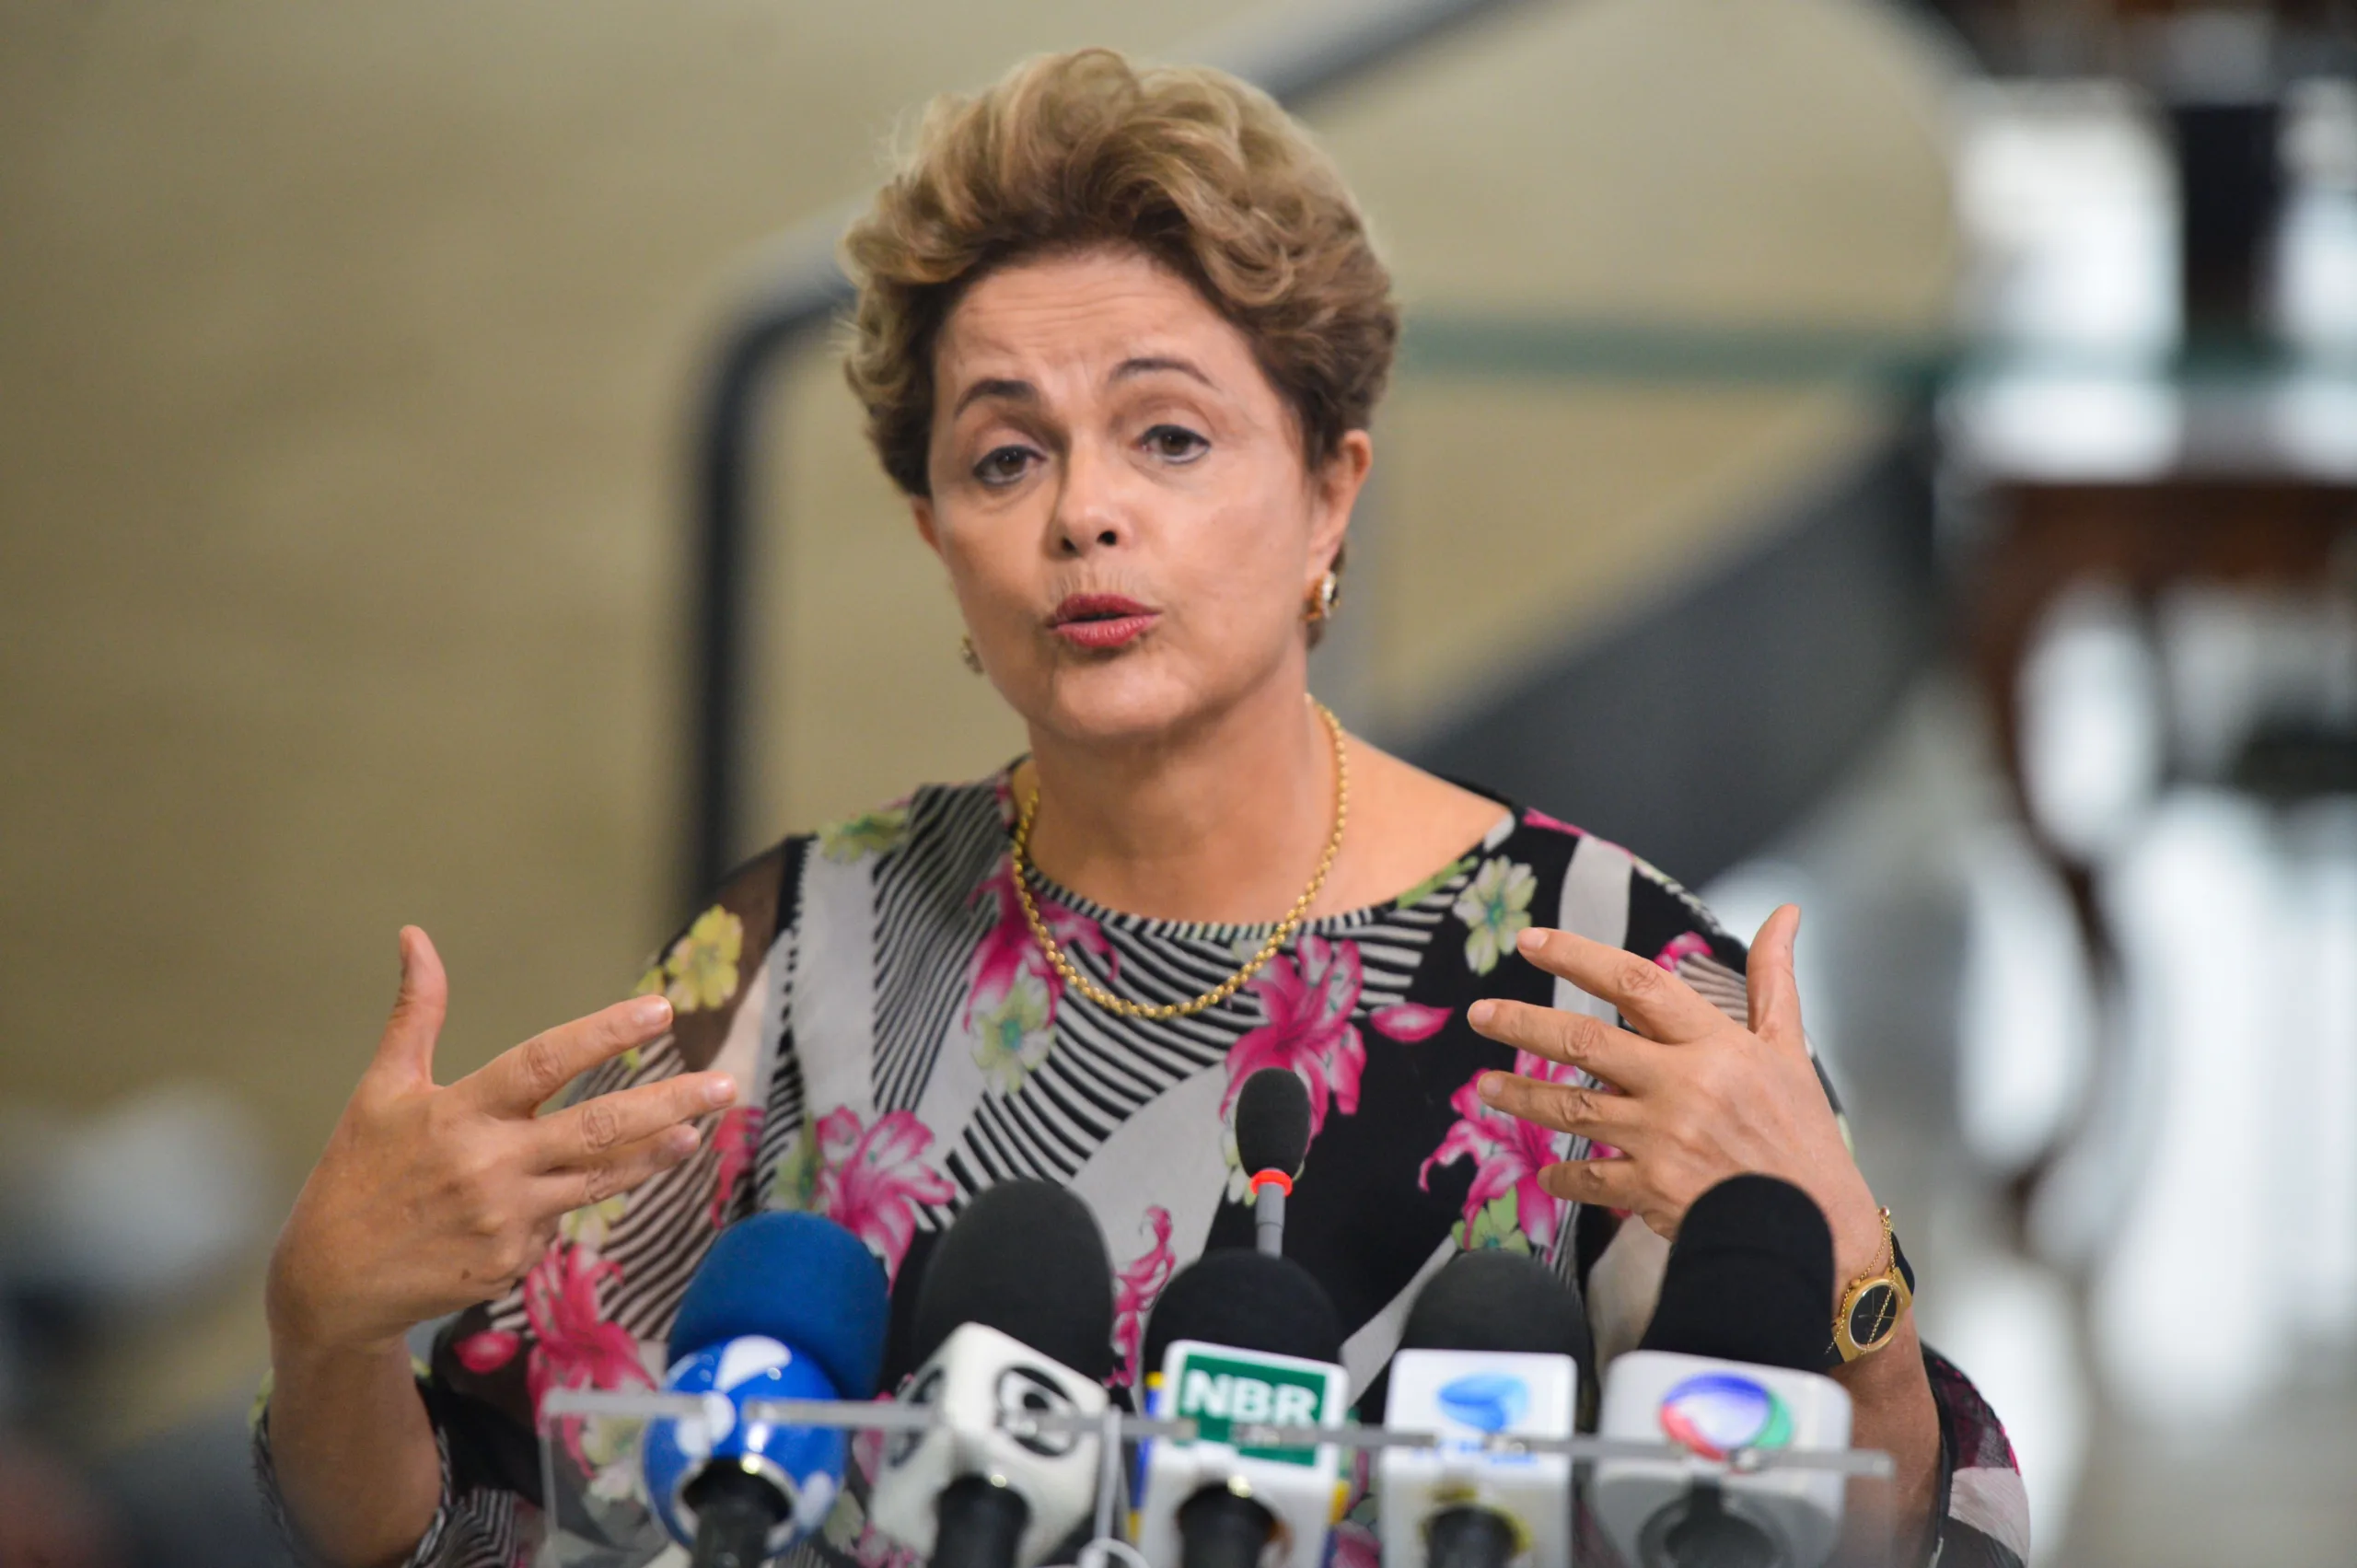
(1242, 1338)
(1272, 1118)
(1491, 1348)
(784, 1306)
(1013, 1319)
(1730, 1361)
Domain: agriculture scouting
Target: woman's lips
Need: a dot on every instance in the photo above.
(1104, 634)
(1100, 620)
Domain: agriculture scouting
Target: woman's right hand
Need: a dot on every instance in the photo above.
(430, 1199)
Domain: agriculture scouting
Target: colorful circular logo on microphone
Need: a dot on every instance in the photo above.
(1713, 1413)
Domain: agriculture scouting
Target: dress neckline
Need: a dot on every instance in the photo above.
(1443, 878)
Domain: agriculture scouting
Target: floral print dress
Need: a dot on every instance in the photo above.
(905, 1044)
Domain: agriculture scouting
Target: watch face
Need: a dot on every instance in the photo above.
(1874, 1315)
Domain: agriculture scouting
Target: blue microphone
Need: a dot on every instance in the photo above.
(784, 1306)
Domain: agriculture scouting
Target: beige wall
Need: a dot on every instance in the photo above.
(343, 357)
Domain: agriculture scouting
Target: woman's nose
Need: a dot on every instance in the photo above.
(1078, 541)
(1089, 513)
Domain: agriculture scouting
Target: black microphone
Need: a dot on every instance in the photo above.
(1026, 1258)
(1750, 1278)
(1497, 1300)
(1248, 1300)
(1272, 1117)
(1014, 1317)
(1256, 1340)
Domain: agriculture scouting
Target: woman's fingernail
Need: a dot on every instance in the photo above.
(653, 1012)
(1531, 939)
(720, 1091)
(1492, 1086)
(681, 1140)
(1479, 1013)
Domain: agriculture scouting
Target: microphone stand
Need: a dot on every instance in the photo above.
(1269, 1190)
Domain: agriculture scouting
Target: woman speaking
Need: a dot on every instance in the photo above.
(1119, 335)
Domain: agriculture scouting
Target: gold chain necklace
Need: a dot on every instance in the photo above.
(1227, 988)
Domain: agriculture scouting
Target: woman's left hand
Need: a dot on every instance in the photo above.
(1700, 1096)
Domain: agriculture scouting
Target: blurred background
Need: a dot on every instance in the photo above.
(1927, 434)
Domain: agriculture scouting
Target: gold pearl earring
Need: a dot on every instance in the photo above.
(1324, 599)
(966, 655)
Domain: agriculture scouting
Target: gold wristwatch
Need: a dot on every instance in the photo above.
(1874, 1304)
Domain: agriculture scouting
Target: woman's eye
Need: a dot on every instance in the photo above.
(1004, 465)
(1175, 443)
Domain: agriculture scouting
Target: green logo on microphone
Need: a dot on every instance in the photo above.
(1223, 1392)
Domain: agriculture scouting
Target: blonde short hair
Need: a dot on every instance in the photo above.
(1201, 172)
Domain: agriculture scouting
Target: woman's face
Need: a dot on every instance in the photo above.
(1121, 497)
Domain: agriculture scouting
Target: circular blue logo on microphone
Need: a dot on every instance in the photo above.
(1713, 1413)
(1486, 1401)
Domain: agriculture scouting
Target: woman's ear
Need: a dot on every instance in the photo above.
(1336, 487)
(921, 509)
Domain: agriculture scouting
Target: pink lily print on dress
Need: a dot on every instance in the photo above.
(736, 1137)
(1507, 1154)
(573, 1345)
(1136, 1288)
(1408, 1022)
(1307, 1005)
(1677, 949)
(871, 1179)
(1531, 818)
(1008, 951)
(1354, 1546)
(489, 1351)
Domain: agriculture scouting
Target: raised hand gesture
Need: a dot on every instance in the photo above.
(430, 1198)
(1700, 1096)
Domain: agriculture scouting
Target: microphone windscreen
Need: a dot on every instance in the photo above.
(1026, 1258)
(1249, 1301)
(1273, 1122)
(1495, 1300)
(799, 1279)
(1750, 1278)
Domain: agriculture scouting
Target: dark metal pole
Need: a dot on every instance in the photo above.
(729, 432)
(1294, 61)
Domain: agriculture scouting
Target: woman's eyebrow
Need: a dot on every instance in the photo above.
(1147, 365)
(995, 387)
(1016, 390)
